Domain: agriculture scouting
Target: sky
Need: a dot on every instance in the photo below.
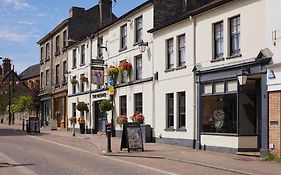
(24, 22)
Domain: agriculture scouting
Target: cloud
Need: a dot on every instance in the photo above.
(18, 4)
(12, 36)
(25, 23)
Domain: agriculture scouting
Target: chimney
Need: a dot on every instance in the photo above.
(6, 65)
(76, 11)
(105, 7)
(1, 73)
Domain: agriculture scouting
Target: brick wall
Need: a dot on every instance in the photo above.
(274, 117)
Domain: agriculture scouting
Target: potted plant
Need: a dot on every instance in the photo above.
(137, 117)
(105, 105)
(121, 119)
(82, 107)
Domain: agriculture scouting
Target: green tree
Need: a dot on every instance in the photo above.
(23, 103)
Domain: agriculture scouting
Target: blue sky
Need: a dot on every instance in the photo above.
(24, 22)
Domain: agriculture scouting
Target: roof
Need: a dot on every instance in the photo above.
(197, 11)
(30, 72)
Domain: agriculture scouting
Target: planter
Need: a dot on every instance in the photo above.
(82, 128)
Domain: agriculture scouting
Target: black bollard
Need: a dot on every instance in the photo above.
(108, 134)
(23, 124)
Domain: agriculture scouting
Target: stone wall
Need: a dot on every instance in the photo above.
(17, 118)
(274, 122)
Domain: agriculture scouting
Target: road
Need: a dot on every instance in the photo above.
(48, 154)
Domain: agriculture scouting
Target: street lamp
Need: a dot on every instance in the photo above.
(142, 46)
(242, 78)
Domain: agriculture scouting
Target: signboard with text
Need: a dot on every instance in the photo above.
(97, 75)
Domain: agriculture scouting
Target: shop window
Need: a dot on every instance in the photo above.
(219, 87)
(220, 113)
(231, 86)
(207, 88)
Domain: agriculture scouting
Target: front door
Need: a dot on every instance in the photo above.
(100, 118)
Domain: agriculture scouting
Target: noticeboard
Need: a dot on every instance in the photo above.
(132, 137)
(33, 125)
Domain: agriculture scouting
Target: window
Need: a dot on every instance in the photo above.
(41, 80)
(123, 43)
(82, 61)
(100, 48)
(123, 105)
(74, 86)
(181, 50)
(47, 51)
(138, 66)
(170, 111)
(73, 109)
(47, 77)
(64, 69)
(57, 74)
(82, 86)
(139, 30)
(41, 53)
(138, 102)
(64, 39)
(181, 110)
(123, 74)
(235, 35)
(218, 39)
(58, 44)
(74, 59)
(170, 53)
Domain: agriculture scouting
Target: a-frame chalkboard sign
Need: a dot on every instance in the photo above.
(132, 137)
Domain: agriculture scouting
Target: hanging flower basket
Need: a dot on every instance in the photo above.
(74, 81)
(126, 66)
(83, 78)
(112, 70)
(121, 120)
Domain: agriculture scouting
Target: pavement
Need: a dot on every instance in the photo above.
(222, 161)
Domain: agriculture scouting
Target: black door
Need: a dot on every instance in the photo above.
(100, 119)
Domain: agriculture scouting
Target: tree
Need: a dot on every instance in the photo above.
(23, 103)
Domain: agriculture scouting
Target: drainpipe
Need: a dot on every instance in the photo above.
(90, 84)
(196, 136)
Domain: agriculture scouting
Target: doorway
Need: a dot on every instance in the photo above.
(99, 118)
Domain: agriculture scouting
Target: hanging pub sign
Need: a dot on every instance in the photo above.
(97, 75)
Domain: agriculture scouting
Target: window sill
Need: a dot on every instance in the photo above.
(169, 129)
(217, 59)
(181, 130)
(48, 59)
(122, 49)
(57, 53)
(64, 49)
(74, 67)
(219, 134)
(169, 70)
(234, 56)
(137, 43)
(82, 64)
(57, 86)
(181, 67)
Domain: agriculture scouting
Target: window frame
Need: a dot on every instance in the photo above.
(74, 58)
(123, 37)
(64, 37)
(170, 111)
(74, 113)
(57, 44)
(138, 69)
(57, 74)
(181, 114)
(170, 54)
(232, 36)
(83, 55)
(64, 71)
(181, 60)
(138, 31)
(47, 51)
(47, 75)
(218, 41)
(138, 102)
(123, 105)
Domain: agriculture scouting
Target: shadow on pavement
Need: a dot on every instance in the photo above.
(14, 132)
(6, 165)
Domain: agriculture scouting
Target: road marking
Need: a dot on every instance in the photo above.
(19, 168)
(114, 159)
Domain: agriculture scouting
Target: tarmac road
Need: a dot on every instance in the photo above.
(47, 154)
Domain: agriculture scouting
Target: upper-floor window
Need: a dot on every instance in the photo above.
(58, 44)
(100, 47)
(138, 67)
(47, 51)
(47, 77)
(82, 60)
(74, 86)
(138, 29)
(138, 102)
(123, 36)
(74, 58)
(123, 105)
(181, 50)
(170, 53)
(41, 80)
(123, 74)
(41, 53)
(57, 74)
(170, 110)
(64, 35)
(235, 35)
(64, 71)
(218, 40)
(74, 109)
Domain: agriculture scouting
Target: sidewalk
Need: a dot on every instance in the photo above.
(223, 161)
